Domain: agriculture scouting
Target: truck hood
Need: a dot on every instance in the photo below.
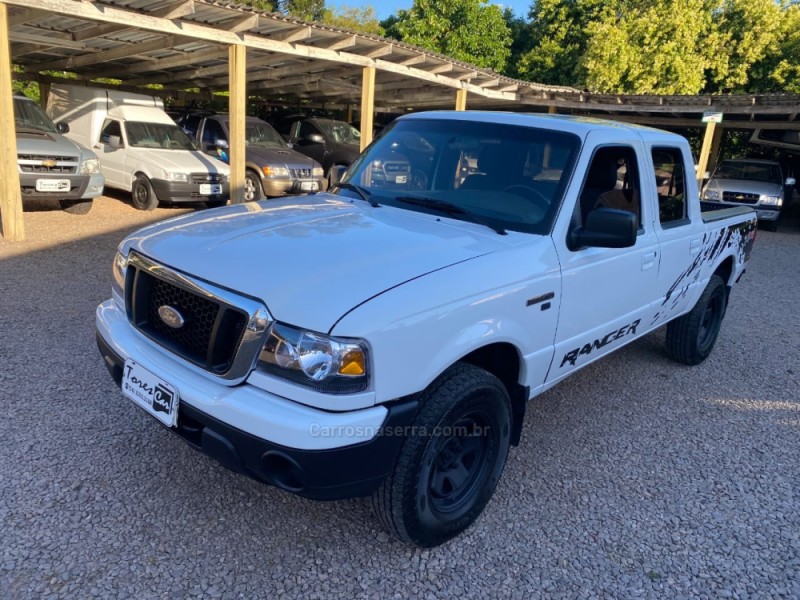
(747, 187)
(182, 161)
(279, 157)
(311, 259)
(48, 144)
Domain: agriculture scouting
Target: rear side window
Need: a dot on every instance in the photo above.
(671, 185)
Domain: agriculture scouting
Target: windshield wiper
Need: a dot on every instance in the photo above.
(364, 193)
(449, 208)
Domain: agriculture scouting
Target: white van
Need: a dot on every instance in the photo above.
(140, 148)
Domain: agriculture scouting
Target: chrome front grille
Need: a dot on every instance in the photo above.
(199, 178)
(300, 173)
(219, 332)
(37, 163)
(740, 197)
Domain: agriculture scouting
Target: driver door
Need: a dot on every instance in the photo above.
(112, 160)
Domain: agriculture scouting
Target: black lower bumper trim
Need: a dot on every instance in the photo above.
(332, 474)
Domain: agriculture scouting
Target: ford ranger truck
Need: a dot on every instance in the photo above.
(382, 340)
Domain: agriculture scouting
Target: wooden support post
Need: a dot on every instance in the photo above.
(552, 109)
(716, 145)
(237, 109)
(367, 105)
(461, 99)
(349, 113)
(702, 163)
(10, 192)
(44, 94)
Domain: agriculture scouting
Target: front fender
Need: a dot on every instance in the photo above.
(419, 329)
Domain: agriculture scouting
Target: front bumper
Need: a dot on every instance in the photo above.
(313, 453)
(82, 187)
(180, 191)
(286, 187)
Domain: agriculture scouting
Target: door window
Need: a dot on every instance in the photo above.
(305, 130)
(110, 127)
(212, 132)
(612, 182)
(671, 185)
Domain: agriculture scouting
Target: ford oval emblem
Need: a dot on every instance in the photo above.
(171, 317)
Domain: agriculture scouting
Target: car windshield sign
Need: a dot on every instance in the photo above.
(506, 177)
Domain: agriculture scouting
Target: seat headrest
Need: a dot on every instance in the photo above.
(603, 174)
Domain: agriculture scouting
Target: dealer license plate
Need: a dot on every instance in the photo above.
(309, 186)
(210, 189)
(52, 185)
(150, 392)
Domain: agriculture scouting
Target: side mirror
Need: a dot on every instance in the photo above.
(605, 228)
(790, 181)
(221, 144)
(114, 141)
(62, 127)
(315, 138)
(336, 173)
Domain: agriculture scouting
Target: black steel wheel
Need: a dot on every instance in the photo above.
(451, 460)
(142, 195)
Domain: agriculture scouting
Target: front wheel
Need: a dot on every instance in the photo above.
(451, 461)
(142, 195)
(691, 338)
(252, 187)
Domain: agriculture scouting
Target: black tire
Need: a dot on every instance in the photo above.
(76, 207)
(142, 195)
(769, 225)
(445, 474)
(691, 338)
(252, 187)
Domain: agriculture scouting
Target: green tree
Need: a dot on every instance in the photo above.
(265, 5)
(361, 19)
(779, 69)
(308, 10)
(521, 41)
(470, 30)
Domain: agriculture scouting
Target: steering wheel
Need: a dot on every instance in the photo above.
(530, 194)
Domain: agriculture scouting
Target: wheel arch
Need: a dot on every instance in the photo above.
(504, 361)
(725, 270)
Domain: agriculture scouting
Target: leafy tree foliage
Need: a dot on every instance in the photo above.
(362, 19)
(308, 10)
(469, 30)
(521, 41)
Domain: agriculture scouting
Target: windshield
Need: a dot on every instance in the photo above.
(27, 114)
(749, 171)
(263, 136)
(509, 176)
(157, 135)
(339, 131)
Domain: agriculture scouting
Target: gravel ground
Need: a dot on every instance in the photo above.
(638, 477)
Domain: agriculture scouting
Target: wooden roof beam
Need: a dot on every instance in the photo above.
(348, 42)
(201, 73)
(296, 36)
(21, 16)
(414, 60)
(239, 24)
(386, 50)
(172, 62)
(52, 40)
(173, 11)
(74, 62)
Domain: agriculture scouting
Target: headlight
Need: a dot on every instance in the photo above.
(118, 269)
(317, 172)
(771, 200)
(173, 176)
(271, 171)
(326, 364)
(712, 195)
(90, 166)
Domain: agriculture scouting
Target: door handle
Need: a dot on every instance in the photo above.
(649, 260)
(695, 246)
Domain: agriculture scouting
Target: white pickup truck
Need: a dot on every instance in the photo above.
(383, 339)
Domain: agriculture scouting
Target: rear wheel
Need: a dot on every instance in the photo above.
(76, 207)
(142, 195)
(449, 466)
(691, 338)
(252, 187)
